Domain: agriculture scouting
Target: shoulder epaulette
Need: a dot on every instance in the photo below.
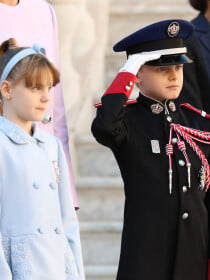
(129, 102)
(195, 110)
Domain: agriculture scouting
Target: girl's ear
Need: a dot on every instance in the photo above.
(5, 90)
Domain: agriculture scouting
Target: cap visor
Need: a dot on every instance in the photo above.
(170, 60)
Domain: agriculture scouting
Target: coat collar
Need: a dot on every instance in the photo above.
(18, 135)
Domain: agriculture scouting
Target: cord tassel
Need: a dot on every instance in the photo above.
(169, 152)
(189, 174)
(182, 148)
(170, 171)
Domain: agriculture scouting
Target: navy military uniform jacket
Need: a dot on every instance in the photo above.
(165, 236)
(202, 33)
(197, 74)
(196, 81)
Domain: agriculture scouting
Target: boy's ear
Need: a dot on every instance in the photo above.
(138, 78)
(5, 90)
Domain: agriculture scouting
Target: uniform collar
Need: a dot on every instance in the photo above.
(18, 135)
(157, 107)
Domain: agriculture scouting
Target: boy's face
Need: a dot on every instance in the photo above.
(160, 82)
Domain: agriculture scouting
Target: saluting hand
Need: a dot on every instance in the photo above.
(135, 61)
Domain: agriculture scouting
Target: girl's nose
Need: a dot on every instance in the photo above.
(45, 97)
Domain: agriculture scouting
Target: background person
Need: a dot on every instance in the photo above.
(197, 75)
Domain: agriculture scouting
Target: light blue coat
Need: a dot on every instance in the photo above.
(39, 232)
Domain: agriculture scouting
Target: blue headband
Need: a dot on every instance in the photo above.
(19, 56)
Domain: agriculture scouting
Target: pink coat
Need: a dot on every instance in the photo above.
(34, 21)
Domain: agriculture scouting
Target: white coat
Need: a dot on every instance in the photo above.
(39, 232)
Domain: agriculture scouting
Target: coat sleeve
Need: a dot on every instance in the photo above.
(5, 271)
(68, 213)
(109, 127)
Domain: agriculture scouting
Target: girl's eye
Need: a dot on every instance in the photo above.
(38, 88)
(35, 88)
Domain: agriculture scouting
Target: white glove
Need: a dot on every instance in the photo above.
(135, 61)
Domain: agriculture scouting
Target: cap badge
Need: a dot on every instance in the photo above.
(156, 108)
(172, 106)
(173, 29)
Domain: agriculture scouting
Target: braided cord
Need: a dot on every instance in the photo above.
(187, 133)
(169, 152)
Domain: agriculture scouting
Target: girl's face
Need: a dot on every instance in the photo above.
(160, 82)
(23, 105)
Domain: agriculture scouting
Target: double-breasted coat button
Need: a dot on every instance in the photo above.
(181, 162)
(184, 189)
(67, 269)
(36, 186)
(40, 230)
(53, 186)
(169, 118)
(57, 230)
(127, 88)
(185, 216)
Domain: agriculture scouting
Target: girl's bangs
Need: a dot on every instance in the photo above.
(41, 73)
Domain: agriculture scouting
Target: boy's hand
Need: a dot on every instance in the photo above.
(135, 61)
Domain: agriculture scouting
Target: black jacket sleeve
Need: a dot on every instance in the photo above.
(110, 127)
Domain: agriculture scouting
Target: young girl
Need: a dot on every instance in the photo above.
(39, 232)
(163, 161)
(25, 16)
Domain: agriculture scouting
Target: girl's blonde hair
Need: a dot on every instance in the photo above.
(35, 69)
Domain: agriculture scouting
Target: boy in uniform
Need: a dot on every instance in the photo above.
(162, 153)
